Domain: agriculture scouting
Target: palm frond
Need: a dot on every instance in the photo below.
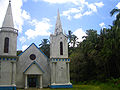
(114, 11)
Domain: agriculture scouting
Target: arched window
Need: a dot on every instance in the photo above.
(6, 45)
(61, 48)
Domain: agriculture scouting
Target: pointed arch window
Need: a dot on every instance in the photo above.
(61, 48)
(6, 45)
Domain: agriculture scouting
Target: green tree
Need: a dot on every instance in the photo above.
(72, 42)
(72, 39)
(45, 47)
(116, 22)
(97, 57)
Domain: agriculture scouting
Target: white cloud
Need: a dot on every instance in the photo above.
(102, 25)
(118, 5)
(100, 4)
(79, 15)
(92, 7)
(83, 8)
(25, 15)
(41, 28)
(76, 2)
(22, 39)
(70, 11)
(19, 15)
(87, 13)
(24, 47)
(79, 33)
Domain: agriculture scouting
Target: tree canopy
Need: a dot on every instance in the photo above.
(97, 57)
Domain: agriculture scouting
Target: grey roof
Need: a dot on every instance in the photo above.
(58, 27)
(8, 20)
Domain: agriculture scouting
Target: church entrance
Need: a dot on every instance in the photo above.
(33, 80)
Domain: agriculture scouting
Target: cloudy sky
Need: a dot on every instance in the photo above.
(35, 19)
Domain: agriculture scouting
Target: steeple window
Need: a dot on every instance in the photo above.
(61, 48)
(6, 45)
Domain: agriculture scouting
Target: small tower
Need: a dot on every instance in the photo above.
(8, 45)
(8, 35)
(59, 62)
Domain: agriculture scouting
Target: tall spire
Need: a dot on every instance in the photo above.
(58, 27)
(8, 20)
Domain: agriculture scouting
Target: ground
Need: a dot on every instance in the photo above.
(82, 87)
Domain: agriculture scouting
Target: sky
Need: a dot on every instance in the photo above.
(36, 19)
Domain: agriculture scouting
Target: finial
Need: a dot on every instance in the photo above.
(9, 1)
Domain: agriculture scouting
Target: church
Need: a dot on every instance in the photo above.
(32, 68)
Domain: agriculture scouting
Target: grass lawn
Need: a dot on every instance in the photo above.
(83, 87)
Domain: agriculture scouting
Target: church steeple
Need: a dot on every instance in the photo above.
(8, 34)
(59, 62)
(8, 20)
(58, 27)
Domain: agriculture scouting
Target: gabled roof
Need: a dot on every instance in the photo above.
(36, 47)
(34, 62)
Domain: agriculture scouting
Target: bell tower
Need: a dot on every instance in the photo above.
(8, 35)
(8, 45)
(59, 62)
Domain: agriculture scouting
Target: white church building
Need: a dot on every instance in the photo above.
(32, 68)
